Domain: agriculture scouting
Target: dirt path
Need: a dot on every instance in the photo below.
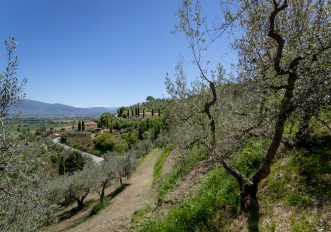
(138, 194)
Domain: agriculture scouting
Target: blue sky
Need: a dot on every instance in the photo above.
(98, 52)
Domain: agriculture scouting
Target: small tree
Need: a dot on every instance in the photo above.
(62, 166)
(105, 120)
(83, 126)
(79, 126)
(79, 186)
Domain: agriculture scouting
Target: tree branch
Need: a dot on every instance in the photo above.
(277, 37)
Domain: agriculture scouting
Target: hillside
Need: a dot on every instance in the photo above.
(31, 108)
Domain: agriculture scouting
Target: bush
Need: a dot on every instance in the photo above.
(152, 125)
(107, 142)
(131, 138)
(74, 162)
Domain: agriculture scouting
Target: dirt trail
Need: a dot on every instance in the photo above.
(117, 216)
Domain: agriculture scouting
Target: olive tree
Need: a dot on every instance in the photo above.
(11, 89)
(76, 186)
(24, 204)
(104, 175)
(23, 201)
(283, 67)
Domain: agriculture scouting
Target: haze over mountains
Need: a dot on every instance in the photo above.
(31, 108)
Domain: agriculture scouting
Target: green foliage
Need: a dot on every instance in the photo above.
(41, 130)
(105, 120)
(291, 128)
(62, 166)
(301, 224)
(107, 142)
(24, 204)
(79, 126)
(161, 160)
(150, 98)
(74, 162)
(119, 123)
(100, 206)
(250, 158)
(120, 145)
(122, 112)
(131, 138)
(152, 125)
(83, 126)
(11, 90)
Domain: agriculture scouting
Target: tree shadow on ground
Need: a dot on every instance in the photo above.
(314, 166)
(72, 212)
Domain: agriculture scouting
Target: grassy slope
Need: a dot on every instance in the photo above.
(295, 197)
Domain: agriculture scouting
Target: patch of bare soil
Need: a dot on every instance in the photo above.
(117, 216)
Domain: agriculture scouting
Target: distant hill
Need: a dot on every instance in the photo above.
(31, 108)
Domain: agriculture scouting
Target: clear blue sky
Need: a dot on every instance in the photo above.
(97, 52)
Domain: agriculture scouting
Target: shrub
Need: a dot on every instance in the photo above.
(107, 142)
(74, 162)
(131, 138)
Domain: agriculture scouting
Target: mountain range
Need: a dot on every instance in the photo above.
(31, 108)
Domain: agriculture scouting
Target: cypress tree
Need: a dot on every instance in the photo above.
(143, 113)
(62, 168)
(79, 126)
(159, 112)
(83, 126)
(152, 112)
